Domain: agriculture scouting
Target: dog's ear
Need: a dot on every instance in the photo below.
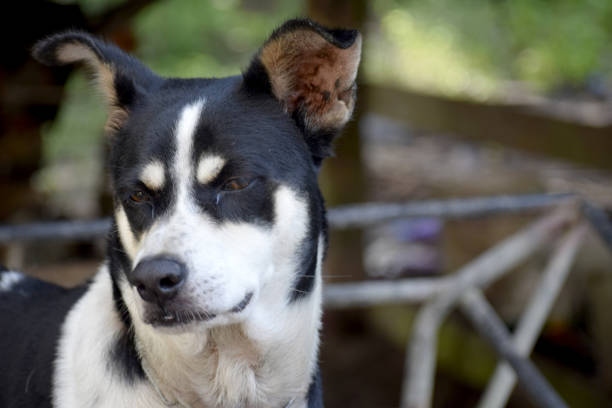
(311, 70)
(121, 78)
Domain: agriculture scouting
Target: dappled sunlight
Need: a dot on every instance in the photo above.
(424, 56)
(483, 49)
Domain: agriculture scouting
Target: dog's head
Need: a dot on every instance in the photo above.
(217, 205)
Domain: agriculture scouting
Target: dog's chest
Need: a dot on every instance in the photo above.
(229, 371)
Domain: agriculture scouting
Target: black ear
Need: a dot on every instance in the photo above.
(311, 70)
(121, 78)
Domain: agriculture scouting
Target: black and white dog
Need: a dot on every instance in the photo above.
(211, 292)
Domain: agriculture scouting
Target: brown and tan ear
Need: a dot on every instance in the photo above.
(120, 77)
(311, 71)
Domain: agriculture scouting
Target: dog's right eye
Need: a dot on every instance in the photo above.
(236, 184)
(139, 196)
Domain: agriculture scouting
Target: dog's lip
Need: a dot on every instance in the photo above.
(172, 318)
(243, 303)
(178, 317)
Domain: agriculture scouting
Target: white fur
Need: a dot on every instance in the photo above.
(128, 240)
(9, 279)
(83, 376)
(153, 175)
(183, 163)
(209, 166)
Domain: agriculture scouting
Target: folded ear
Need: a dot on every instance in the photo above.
(311, 70)
(121, 78)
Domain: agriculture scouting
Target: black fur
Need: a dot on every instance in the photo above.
(315, 391)
(341, 38)
(124, 358)
(28, 349)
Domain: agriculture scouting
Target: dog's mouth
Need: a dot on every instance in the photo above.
(164, 317)
(179, 317)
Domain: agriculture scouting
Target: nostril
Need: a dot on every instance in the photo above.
(169, 282)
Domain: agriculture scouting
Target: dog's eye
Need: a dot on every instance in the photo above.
(235, 184)
(139, 196)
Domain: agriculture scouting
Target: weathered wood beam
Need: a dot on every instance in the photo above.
(514, 126)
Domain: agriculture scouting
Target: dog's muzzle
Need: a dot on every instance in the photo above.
(159, 281)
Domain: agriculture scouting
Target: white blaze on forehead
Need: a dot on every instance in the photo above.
(185, 128)
(209, 167)
(153, 175)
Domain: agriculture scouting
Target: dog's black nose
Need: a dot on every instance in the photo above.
(158, 279)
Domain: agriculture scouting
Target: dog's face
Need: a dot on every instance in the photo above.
(214, 194)
(217, 206)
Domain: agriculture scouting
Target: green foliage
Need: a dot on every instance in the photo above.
(475, 46)
(78, 125)
(94, 7)
(206, 38)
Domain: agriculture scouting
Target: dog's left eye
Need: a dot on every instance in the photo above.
(139, 196)
(237, 183)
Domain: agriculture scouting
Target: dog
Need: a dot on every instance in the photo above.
(210, 294)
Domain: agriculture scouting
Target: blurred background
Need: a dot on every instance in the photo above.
(457, 98)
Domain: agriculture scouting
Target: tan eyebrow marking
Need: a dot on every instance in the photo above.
(153, 175)
(209, 167)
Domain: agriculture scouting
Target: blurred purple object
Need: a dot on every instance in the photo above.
(412, 230)
(407, 247)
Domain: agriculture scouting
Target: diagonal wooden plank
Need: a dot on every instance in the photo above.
(533, 319)
(492, 328)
